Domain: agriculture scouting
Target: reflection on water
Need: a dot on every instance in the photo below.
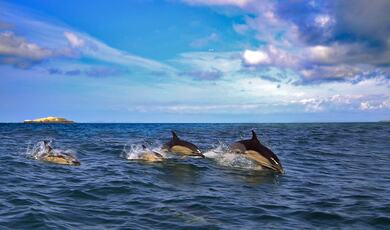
(176, 172)
(255, 177)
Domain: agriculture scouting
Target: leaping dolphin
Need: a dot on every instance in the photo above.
(150, 156)
(176, 145)
(254, 150)
(57, 158)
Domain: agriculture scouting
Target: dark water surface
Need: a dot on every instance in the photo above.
(337, 176)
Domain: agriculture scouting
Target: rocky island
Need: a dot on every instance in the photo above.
(56, 120)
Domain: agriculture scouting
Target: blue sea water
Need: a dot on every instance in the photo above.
(337, 176)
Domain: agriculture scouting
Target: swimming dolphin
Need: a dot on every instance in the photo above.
(176, 145)
(254, 150)
(151, 156)
(57, 158)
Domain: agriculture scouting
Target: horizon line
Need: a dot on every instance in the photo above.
(281, 122)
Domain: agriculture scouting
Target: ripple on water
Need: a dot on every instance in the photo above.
(336, 176)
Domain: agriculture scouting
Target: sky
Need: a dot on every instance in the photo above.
(195, 60)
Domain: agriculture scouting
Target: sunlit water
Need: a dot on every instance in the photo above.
(337, 176)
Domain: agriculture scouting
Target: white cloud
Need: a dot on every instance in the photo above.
(365, 105)
(346, 102)
(17, 46)
(374, 105)
(65, 41)
(344, 99)
(320, 103)
(281, 57)
(256, 57)
(313, 105)
(74, 40)
(239, 3)
(93, 48)
(17, 51)
(288, 38)
(273, 86)
(203, 108)
(96, 49)
(270, 55)
(323, 20)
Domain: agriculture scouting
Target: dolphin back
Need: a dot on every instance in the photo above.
(181, 146)
(61, 159)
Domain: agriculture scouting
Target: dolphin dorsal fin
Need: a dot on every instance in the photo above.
(254, 136)
(174, 136)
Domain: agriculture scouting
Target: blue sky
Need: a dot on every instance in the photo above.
(195, 60)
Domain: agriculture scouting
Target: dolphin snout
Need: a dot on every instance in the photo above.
(278, 169)
(199, 153)
(266, 161)
(276, 166)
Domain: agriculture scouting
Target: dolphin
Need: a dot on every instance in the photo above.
(151, 156)
(57, 158)
(254, 150)
(176, 145)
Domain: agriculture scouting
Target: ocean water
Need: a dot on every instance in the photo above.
(337, 176)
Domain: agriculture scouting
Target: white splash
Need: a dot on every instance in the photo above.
(221, 154)
(39, 149)
(137, 151)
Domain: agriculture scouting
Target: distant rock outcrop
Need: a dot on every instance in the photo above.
(57, 120)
